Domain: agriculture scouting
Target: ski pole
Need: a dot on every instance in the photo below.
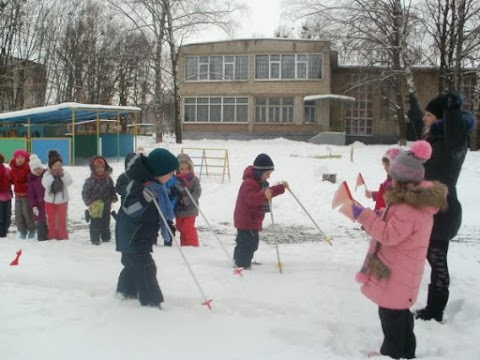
(210, 226)
(279, 263)
(325, 237)
(206, 302)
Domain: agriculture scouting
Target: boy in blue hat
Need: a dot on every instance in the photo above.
(138, 224)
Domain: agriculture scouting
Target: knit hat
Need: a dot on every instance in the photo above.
(185, 159)
(408, 165)
(263, 163)
(35, 163)
(161, 162)
(98, 161)
(436, 106)
(2, 159)
(20, 152)
(391, 154)
(53, 157)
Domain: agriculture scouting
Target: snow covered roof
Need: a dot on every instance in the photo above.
(328, 97)
(62, 113)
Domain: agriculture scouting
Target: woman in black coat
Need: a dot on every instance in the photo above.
(446, 127)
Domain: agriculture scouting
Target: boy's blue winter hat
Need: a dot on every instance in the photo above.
(161, 162)
(263, 163)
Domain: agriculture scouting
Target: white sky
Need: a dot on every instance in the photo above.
(261, 19)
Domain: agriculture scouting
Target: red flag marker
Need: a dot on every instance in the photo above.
(15, 261)
(207, 303)
(360, 182)
(238, 271)
(342, 195)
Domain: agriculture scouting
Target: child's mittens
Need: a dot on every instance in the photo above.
(149, 193)
(357, 210)
(361, 277)
(35, 210)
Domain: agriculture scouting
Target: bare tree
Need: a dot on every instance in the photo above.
(368, 32)
(454, 26)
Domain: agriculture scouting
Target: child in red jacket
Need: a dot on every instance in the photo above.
(6, 196)
(23, 211)
(378, 196)
(252, 203)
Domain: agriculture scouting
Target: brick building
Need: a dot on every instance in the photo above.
(23, 84)
(290, 88)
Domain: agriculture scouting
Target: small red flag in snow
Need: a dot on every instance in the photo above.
(207, 303)
(342, 195)
(238, 271)
(360, 181)
(15, 261)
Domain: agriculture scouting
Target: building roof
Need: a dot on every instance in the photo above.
(63, 113)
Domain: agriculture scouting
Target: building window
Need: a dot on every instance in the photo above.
(216, 109)
(274, 110)
(309, 110)
(467, 89)
(288, 67)
(359, 115)
(216, 68)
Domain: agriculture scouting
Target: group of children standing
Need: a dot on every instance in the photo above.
(41, 196)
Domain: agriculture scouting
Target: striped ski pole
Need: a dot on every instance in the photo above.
(207, 302)
(237, 271)
(279, 263)
(325, 237)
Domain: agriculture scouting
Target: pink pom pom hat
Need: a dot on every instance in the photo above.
(408, 165)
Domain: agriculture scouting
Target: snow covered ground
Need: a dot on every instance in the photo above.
(60, 302)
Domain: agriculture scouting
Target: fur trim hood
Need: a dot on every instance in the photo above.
(421, 195)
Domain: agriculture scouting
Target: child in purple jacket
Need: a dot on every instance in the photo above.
(36, 193)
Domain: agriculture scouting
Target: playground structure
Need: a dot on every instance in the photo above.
(213, 162)
(73, 129)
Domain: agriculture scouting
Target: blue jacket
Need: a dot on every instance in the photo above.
(138, 221)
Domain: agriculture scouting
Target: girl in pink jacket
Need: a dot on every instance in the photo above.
(393, 268)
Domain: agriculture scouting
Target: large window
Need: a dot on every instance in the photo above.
(274, 110)
(216, 68)
(288, 67)
(359, 116)
(216, 109)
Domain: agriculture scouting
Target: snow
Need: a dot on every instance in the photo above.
(60, 302)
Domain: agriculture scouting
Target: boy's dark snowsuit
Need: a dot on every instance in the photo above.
(99, 188)
(135, 232)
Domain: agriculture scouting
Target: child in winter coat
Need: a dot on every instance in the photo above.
(393, 269)
(36, 195)
(137, 227)
(186, 209)
(252, 203)
(23, 211)
(56, 182)
(378, 196)
(98, 194)
(6, 196)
